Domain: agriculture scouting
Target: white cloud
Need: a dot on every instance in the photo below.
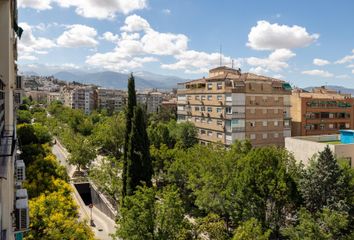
(353, 71)
(350, 66)
(110, 37)
(135, 23)
(320, 62)
(343, 76)
(27, 57)
(78, 35)
(266, 36)
(36, 4)
(276, 61)
(166, 11)
(317, 72)
(164, 43)
(278, 76)
(29, 44)
(346, 59)
(198, 62)
(89, 8)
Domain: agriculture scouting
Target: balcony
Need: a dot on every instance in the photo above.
(235, 115)
(7, 149)
(238, 129)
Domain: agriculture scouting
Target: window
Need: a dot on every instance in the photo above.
(196, 109)
(219, 86)
(276, 135)
(203, 120)
(252, 123)
(202, 131)
(264, 135)
(219, 122)
(202, 108)
(210, 97)
(210, 109)
(219, 135)
(219, 97)
(196, 98)
(252, 136)
(218, 110)
(286, 123)
(197, 119)
(189, 97)
(203, 97)
(228, 110)
(210, 86)
(181, 108)
(209, 121)
(276, 123)
(210, 133)
(265, 123)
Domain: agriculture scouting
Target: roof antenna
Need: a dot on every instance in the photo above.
(232, 63)
(220, 55)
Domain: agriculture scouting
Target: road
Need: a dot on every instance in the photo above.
(104, 226)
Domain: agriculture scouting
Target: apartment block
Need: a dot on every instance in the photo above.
(320, 112)
(152, 100)
(229, 105)
(111, 99)
(54, 96)
(79, 97)
(13, 203)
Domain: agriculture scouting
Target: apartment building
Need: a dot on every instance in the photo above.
(54, 96)
(79, 97)
(229, 105)
(111, 99)
(320, 112)
(13, 202)
(152, 100)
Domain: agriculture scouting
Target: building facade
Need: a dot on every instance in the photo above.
(113, 100)
(79, 97)
(13, 204)
(305, 147)
(152, 100)
(320, 112)
(229, 105)
(54, 96)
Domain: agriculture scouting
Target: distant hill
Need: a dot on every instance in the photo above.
(337, 88)
(110, 79)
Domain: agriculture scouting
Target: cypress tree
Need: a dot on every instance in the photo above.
(139, 167)
(128, 126)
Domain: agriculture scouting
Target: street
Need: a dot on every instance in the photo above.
(104, 226)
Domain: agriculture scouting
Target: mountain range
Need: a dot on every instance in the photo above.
(110, 79)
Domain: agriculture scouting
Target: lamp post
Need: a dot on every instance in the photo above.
(91, 221)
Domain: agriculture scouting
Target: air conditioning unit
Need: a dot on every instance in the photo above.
(20, 170)
(21, 194)
(21, 215)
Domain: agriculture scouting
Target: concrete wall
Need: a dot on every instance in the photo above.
(303, 149)
(102, 203)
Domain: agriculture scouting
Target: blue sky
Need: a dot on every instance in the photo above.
(307, 43)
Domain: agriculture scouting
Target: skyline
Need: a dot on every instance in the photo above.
(183, 38)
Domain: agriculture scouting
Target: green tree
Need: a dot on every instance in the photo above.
(266, 188)
(42, 133)
(144, 218)
(324, 184)
(110, 142)
(82, 153)
(186, 134)
(251, 230)
(107, 177)
(24, 116)
(128, 128)
(213, 227)
(54, 217)
(324, 225)
(137, 220)
(139, 166)
(26, 134)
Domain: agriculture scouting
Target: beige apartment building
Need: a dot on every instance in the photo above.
(229, 105)
(13, 202)
(54, 96)
(320, 112)
(79, 97)
(152, 100)
(111, 99)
